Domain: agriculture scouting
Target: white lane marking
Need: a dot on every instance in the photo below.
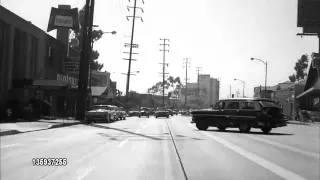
(86, 172)
(10, 145)
(137, 131)
(284, 173)
(123, 143)
(291, 148)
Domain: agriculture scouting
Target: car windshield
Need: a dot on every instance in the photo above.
(101, 107)
(161, 109)
(144, 109)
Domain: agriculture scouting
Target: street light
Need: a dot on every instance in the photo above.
(242, 87)
(92, 41)
(131, 73)
(265, 83)
(112, 32)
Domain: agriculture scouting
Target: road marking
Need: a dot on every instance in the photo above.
(137, 131)
(291, 148)
(284, 173)
(123, 143)
(86, 172)
(10, 145)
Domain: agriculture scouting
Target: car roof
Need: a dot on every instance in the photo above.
(246, 99)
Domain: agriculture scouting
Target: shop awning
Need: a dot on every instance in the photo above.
(311, 91)
(97, 90)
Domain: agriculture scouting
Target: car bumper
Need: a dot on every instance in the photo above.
(272, 124)
(162, 114)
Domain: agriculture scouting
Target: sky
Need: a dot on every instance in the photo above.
(219, 36)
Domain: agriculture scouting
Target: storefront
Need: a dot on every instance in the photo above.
(311, 95)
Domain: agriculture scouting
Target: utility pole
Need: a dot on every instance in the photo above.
(131, 43)
(198, 75)
(238, 93)
(186, 63)
(230, 91)
(84, 61)
(164, 64)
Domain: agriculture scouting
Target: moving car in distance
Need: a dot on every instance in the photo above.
(101, 113)
(144, 111)
(161, 112)
(242, 113)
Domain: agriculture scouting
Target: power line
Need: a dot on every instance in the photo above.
(164, 64)
(134, 7)
(186, 64)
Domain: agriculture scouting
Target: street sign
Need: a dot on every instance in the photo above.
(63, 18)
(309, 15)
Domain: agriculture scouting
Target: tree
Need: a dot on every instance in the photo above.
(292, 78)
(300, 68)
(76, 36)
(171, 84)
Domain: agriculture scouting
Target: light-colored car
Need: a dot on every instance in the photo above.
(101, 113)
(122, 113)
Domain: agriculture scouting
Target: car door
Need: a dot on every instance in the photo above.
(247, 112)
(219, 115)
(231, 113)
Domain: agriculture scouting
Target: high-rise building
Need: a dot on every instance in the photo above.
(208, 92)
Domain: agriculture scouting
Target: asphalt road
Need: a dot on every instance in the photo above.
(164, 149)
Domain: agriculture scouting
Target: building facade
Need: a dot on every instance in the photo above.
(31, 61)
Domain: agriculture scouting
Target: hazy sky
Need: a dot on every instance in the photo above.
(220, 36)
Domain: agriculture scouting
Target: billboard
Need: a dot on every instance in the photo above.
(309, 15)
(63, 18)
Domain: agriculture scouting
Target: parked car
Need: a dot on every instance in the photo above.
(122, 113)
(133, 113)
(162, 112)
(144, 111)
(170, 112)
(242, 113)
(101, 113)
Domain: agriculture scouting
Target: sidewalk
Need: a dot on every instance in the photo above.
(11, 128)
(303, 123)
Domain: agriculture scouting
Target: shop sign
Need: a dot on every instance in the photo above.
(63, 18)
(70, 80)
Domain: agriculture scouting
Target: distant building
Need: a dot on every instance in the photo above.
(208, 92)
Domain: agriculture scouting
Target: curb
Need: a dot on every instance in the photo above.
(300, 123)
(63, 125)
(13, 132)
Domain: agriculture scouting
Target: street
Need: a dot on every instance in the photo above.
(171, 149)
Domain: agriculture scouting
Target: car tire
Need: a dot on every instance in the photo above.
(139, 116)
(148, 116)
(156, 116)
(266, 130)
(167, 116)
(202, 125)
(244, 128)
(222, 128)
